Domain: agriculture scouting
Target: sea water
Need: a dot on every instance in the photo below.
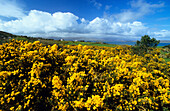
(133, 43)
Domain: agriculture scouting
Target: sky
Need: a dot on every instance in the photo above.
(116, 19)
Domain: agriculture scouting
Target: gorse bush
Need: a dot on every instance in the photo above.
(33, 77)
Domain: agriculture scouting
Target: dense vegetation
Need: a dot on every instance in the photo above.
(37, 77)
(147, 42)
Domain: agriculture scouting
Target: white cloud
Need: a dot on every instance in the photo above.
(137, 28)
(83, 20)
(138, 9)
(38, 21)
(96, 4)
(59, 24)
(1, 21)
(162, 34)
(9, 8)
(104, 26)
(98, 25)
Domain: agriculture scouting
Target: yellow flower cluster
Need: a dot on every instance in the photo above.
(36, 77)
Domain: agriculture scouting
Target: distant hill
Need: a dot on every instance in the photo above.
(6, 35)
(164, 41)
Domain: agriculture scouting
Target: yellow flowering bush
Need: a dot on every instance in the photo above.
(36, 77)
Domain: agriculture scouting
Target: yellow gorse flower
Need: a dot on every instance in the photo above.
(37, 77)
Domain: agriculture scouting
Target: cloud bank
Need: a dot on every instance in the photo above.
(66, 24)
(44, 22)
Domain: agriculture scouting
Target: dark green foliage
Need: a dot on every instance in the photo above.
(144, 45)
(146, 42)
(167, 46)
(138, 50)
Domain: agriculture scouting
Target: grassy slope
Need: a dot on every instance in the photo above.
(167, 59)
(164, 53)
(51, 42)
(90, 43)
